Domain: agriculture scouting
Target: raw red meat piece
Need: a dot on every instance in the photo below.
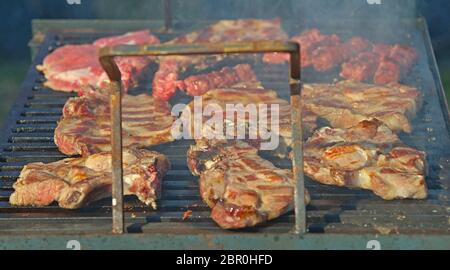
(76, 67)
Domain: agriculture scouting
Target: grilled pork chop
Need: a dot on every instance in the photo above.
(76, 182)
(85, 127)
(251, 94)
(368, 156)
(75, 67)
(242, 188)
(166, 78)
(347, 103)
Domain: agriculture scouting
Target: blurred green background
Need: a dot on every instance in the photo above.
(15, 27)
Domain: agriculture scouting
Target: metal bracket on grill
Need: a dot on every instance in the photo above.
(167, 15)
(107, 55)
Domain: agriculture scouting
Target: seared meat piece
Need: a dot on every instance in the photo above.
(308, 41)
(396, 61)
(248, 94)
(242, 188)
(361, 68)
(327, 57)
(76, 67)
(324, 52)
(384, 64)
(353, 47)
(85, 127)
(388, 71)
(76, 182)
(368, 156)
(347, 103)
(331, 55)
(197, 85)
(165, 82)
(405, 56)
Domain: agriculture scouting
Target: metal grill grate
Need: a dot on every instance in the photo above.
(28, 137)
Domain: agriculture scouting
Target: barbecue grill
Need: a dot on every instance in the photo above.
(336, 217)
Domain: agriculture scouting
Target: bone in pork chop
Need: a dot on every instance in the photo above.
(367, 156)
(253, 94)
(242, 188)
(76, 182)
(75, 67)
(85, 127)
(347, 103)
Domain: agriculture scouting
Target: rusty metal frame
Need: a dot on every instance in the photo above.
(107, 56)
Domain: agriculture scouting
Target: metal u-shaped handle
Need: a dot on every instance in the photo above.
(107, 55)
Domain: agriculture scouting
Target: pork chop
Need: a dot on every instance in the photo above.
(85, 127)
(347, 103)
(368, 156)
(242, 188)
(76, 182)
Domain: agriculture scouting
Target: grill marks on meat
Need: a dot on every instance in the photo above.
(85, 125)
(76, 67)
(76, 182)
(198, 85)
(384, 64)
(249, 94)
(242, 188)
(367, 156)
(166, 80)
(347, 103)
